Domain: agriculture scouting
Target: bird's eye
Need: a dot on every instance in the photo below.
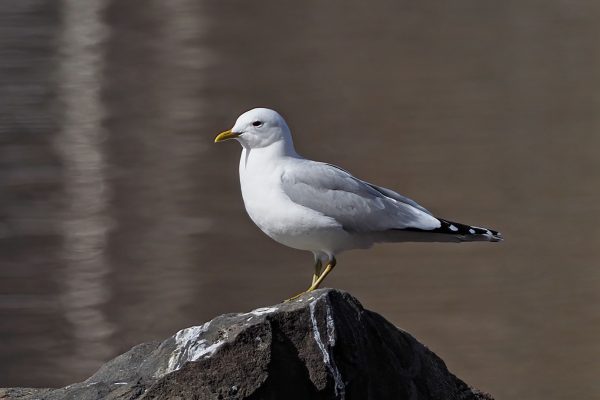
(257, 123)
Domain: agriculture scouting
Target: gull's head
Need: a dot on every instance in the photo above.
(259, 127)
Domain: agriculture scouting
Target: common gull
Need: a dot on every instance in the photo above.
(319, 207)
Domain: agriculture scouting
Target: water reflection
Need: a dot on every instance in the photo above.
(81, 146)
(155, 115)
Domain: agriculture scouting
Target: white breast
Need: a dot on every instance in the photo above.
(275, 214)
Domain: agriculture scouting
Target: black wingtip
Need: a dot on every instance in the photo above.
(464, 232)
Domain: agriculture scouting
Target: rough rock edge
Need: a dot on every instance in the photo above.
(324, 345)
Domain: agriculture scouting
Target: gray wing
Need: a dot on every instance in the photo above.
(357, 205)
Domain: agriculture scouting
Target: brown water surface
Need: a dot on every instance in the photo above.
(121, 222)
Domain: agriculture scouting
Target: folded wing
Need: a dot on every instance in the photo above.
(357, 205)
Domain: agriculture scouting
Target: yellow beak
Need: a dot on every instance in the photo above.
(226, 135)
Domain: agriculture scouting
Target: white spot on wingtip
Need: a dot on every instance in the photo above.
(453, 228)
(472, 231)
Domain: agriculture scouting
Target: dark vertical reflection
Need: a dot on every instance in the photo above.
(156, 119)
(30, 195)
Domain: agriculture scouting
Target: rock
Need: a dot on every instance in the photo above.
(324, 345)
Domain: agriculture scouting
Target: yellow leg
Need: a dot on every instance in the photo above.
(318, 281)
(322, 277)
(318, 267)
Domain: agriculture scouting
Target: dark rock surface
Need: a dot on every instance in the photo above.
(321, 346)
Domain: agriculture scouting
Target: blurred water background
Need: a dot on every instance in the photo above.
(121, 222)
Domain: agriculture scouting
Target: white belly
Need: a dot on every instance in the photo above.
(285, 221)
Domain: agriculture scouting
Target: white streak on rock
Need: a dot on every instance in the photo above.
(189, 347)
(340, 388)
(263, 310)
(330, 328)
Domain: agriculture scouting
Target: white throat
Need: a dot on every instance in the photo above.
(268, 154)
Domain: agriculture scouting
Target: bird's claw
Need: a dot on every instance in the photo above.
(296, 296)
